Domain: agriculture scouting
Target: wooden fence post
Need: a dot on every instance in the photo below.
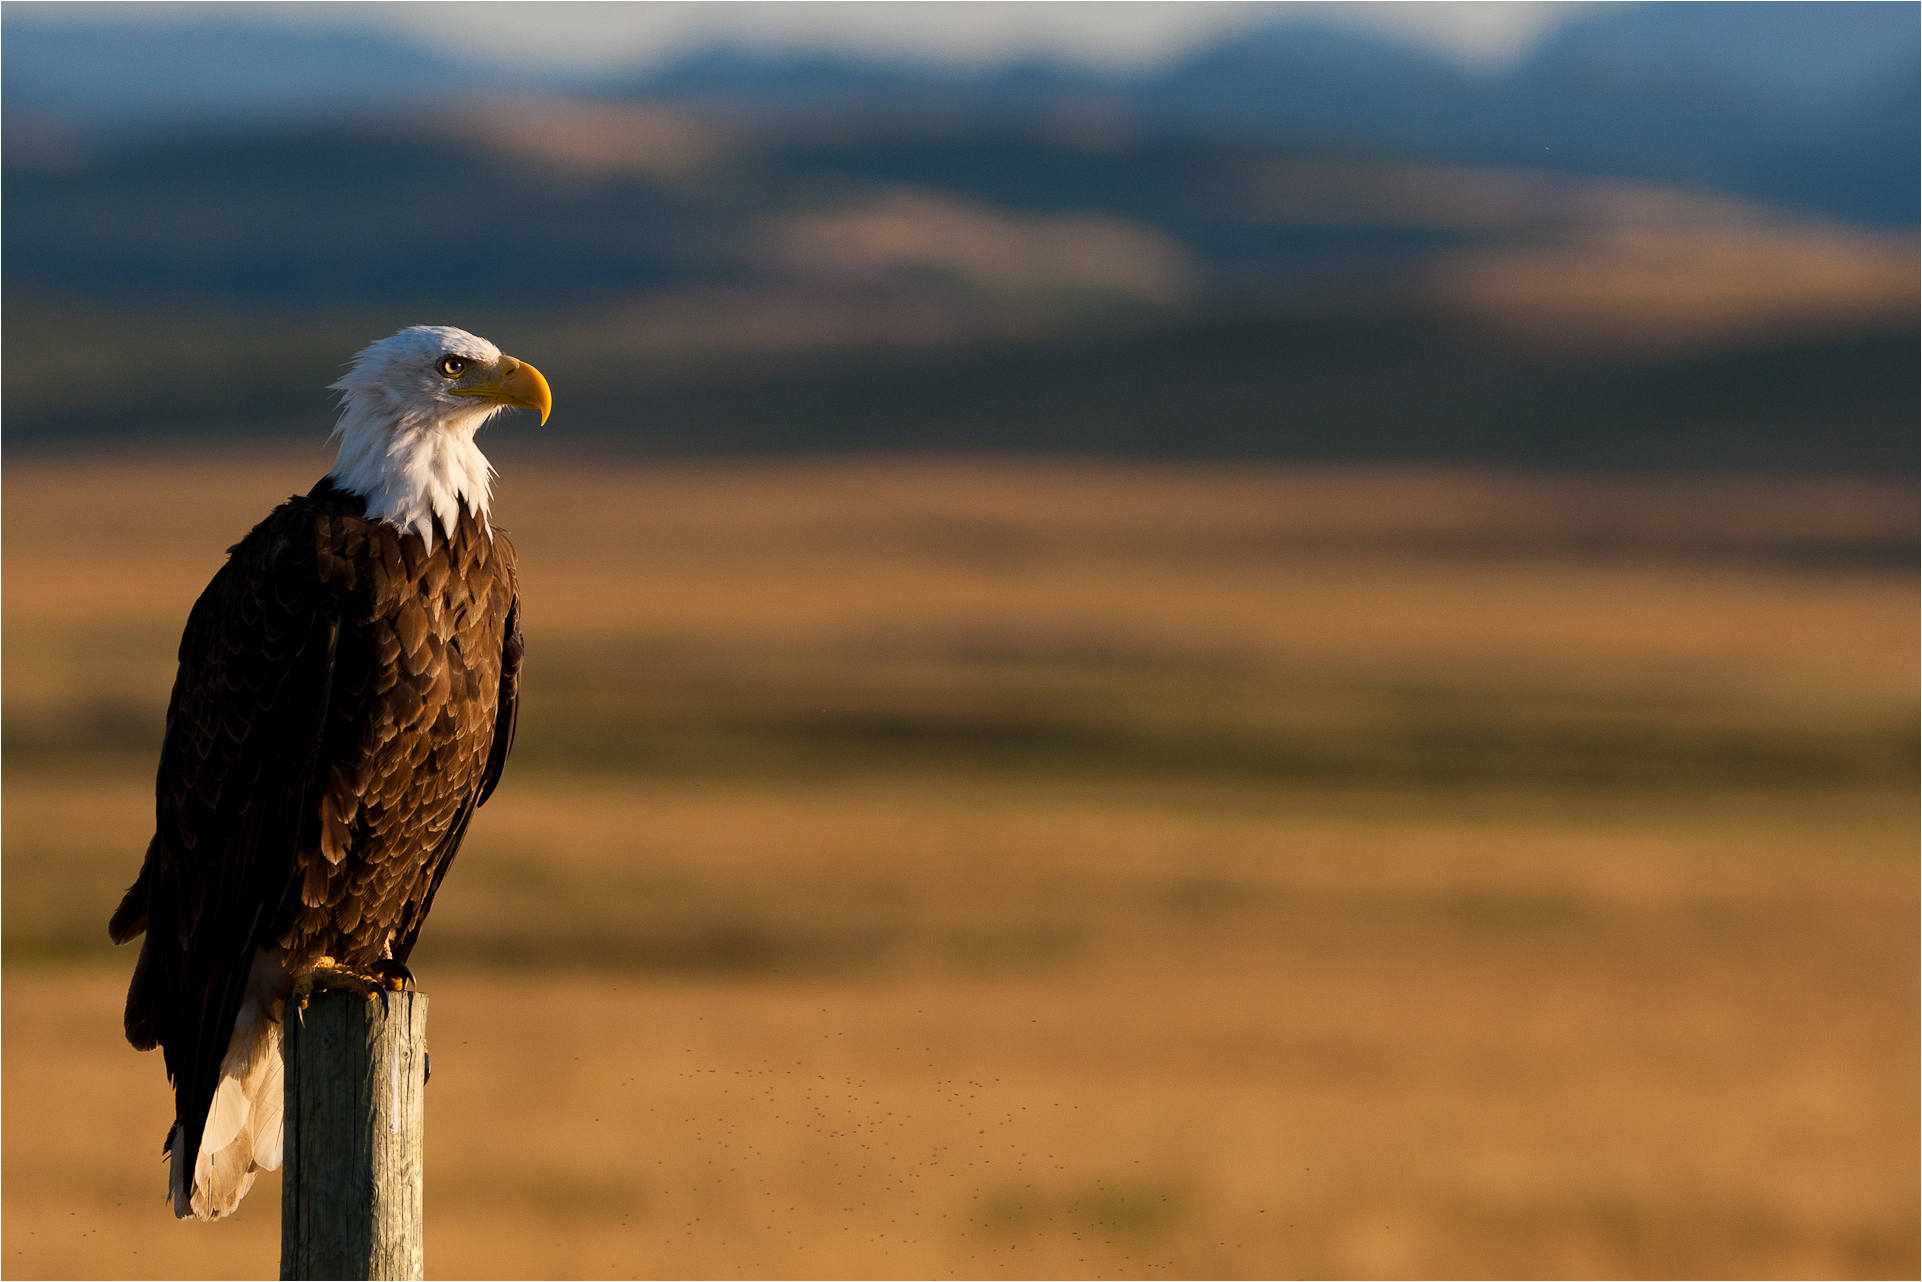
(350, 1201)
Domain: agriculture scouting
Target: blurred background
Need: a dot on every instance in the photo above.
(1205, 640)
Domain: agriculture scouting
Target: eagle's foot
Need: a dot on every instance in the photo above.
(393, 975)
(329, 975)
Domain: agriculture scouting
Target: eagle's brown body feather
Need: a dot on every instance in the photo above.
(346, 697)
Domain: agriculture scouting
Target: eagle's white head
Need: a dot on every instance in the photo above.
(409, 408)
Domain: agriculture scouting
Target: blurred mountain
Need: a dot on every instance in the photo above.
(1671, 236)
(138, 77)
(1808, 104)
(1813, 105)
(1788, 58)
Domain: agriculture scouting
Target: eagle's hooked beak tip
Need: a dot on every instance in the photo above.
(521, 384)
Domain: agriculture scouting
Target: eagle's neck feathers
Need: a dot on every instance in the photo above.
(412, 469)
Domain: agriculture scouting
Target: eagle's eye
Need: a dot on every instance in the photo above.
(451, 366)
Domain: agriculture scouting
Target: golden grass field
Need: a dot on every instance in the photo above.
(973, 868)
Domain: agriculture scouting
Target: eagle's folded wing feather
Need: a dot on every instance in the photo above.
(234, 802)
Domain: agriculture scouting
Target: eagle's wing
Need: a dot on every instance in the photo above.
(509, 713)
(234, 800)
(506, 717)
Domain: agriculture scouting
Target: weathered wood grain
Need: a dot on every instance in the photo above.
(351, 1184)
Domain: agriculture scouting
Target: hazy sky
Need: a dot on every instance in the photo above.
(604, 36)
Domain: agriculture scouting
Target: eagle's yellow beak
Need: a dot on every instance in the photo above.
(519, 384)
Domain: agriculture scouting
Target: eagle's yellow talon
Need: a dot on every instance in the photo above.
(329, 975)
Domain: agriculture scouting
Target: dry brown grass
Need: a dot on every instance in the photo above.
(1363, 570)
(952, 1019)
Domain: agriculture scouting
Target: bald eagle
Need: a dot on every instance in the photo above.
(346, 698)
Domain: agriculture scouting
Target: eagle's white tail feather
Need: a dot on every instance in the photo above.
(242, 1136)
